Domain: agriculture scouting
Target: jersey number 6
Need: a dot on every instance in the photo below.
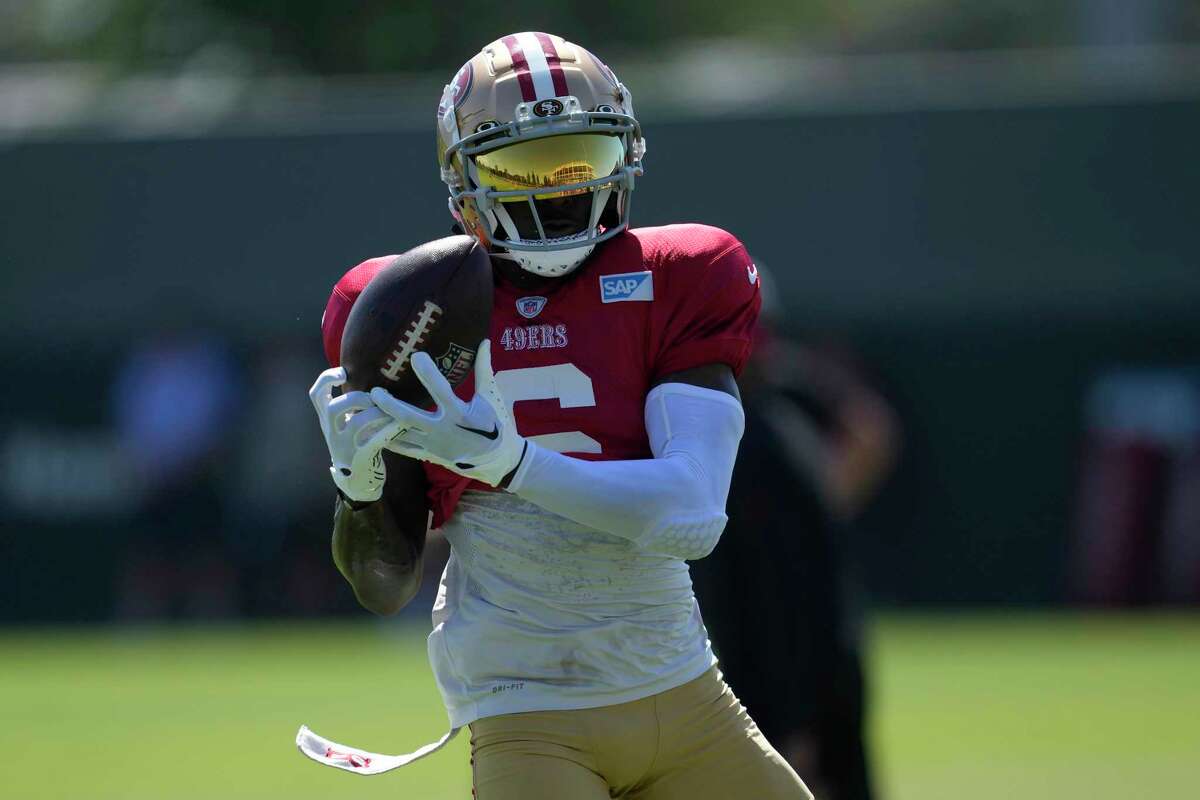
(562, 382)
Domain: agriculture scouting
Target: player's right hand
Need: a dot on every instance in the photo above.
(477, 439)
(355, 433)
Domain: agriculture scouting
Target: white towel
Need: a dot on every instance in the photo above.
(361, 762)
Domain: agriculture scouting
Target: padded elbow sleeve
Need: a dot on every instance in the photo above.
(699, 429)
(688, 540)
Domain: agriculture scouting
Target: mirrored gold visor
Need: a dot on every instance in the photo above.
(551, 161)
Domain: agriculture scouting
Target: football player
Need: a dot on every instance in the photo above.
(579, 467)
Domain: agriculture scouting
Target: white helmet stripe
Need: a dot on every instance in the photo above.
(539, 67)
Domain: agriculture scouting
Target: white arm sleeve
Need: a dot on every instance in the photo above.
(673, 503)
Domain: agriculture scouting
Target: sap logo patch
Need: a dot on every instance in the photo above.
(626, 286)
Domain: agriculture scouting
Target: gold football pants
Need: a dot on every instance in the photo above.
(693, 742)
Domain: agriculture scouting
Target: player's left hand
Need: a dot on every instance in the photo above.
(476, 439)
(355, 432)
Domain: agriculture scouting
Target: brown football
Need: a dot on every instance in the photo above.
(436, 297)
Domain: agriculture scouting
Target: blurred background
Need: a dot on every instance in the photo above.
(986, 212)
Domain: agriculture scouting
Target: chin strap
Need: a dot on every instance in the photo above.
(548, 263)
(552, 264)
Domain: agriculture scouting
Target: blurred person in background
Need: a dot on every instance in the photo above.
(1137, 536)
(172, 401)
(280, 549)
(780, 596)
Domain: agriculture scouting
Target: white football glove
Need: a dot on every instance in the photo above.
(476, 439)
(355, 432)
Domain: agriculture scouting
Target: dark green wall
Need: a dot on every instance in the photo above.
(987, 263)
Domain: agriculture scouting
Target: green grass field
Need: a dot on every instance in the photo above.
(970, 706)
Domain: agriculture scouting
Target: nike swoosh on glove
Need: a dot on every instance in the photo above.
(476, 439)
(355, 433)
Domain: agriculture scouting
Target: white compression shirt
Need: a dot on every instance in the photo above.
(539, 612)
(536, 612)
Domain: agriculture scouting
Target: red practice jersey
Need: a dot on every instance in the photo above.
(576, 358)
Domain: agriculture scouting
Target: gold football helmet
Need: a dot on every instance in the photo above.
(539, 147)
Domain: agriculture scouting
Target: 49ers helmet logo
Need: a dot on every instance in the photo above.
(457, 90)
(548, 108)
